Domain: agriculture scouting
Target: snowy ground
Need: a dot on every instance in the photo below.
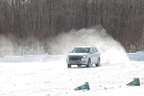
(49, 76)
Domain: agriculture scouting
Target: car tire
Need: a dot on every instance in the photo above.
(98, 62)
(69, 66)
(89, 63)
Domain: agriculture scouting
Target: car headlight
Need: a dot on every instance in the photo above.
(84, 58)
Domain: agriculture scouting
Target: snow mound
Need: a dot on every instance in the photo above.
(138, 56)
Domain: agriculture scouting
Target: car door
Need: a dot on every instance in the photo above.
(96, 55)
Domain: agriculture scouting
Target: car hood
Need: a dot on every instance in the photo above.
(77, 54)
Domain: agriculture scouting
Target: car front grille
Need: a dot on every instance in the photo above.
(75, 58)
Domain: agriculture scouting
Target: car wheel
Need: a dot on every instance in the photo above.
(98, 62)
(69, 66)
(89, 63)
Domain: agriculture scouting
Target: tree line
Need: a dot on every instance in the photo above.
(42, 19)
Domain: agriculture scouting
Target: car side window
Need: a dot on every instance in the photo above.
(91, 51)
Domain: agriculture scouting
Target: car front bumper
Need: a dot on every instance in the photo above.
(77, 62)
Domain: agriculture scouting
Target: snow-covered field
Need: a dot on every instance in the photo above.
(48, 75)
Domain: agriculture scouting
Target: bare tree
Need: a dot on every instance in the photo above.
(43, 19)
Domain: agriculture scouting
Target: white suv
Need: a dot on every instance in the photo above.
(84, 55)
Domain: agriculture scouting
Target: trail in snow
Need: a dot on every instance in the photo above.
(49, 76)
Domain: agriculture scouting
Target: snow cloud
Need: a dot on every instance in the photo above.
(6, 46)
(111, 50)
(10, 45)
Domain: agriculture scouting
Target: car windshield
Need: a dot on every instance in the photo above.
(81, 50)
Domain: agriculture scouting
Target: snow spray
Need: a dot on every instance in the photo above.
(112, 52)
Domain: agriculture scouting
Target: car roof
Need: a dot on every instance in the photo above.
(85, 47)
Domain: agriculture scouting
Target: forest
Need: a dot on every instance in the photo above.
(25, 20)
